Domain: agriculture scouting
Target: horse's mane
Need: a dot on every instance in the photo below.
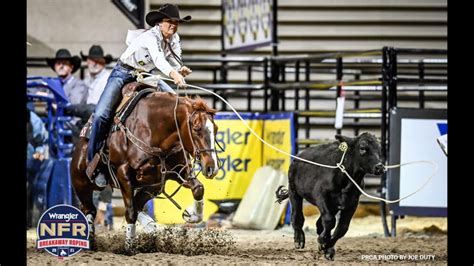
(199, 104)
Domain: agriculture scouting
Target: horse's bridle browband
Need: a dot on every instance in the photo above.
(198, 151)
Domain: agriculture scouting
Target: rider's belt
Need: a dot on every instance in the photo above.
(122, 64)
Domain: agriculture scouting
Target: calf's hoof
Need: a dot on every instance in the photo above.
(329, 253)
(321, 247)
(299, 240)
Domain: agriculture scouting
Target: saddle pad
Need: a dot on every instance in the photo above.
(127, 108)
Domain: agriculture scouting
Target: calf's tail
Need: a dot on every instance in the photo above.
(281, 194)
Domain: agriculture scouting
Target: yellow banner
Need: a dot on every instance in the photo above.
(278, 131)
(242, 156)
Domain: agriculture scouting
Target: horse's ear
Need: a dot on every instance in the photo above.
(211, 111)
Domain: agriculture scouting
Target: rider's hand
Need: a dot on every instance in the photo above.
(178, 79)
(185, 71)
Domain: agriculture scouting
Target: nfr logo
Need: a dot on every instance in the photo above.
(63, 231)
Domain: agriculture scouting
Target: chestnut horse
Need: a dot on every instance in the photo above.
(147, 151)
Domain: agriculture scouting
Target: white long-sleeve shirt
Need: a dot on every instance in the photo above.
(149, 50)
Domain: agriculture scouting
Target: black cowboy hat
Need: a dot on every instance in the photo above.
(165, 11)
(96, 52)
(64, 54)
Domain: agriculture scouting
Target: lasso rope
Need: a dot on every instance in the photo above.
(339, 165)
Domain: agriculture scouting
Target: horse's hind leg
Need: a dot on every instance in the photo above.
(126, 188)
(84, 193)
(194, 213)
(82, 185)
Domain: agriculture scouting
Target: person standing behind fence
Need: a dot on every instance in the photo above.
(98, 74)
(96, 81)
(37, 137)
(158, 47)
(37, 151)
(65, 65)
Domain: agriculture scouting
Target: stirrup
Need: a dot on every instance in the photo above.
(99, 183)
(92, 166)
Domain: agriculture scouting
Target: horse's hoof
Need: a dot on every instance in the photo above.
(151, 228)
(329, 253)
(130, 247)
(191, 217)
(92, 242)
(90, 222)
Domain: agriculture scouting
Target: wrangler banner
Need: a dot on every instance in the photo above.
(279, 132)
(243, 154)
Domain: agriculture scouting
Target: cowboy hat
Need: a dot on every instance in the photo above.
(96, 52)
(165, 11)
(64, 54)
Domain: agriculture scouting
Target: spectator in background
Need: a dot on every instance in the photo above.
(37, 151)
(37, 137)
(96, 81)
(65, 65)
(98, 74)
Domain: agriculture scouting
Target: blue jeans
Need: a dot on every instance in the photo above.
(108, 103)
(105, 109)
(109, 215)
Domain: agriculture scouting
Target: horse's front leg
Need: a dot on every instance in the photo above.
(194, 213)
(126, 187)
(140, 199)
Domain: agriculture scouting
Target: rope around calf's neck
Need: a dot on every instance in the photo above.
(339, 165)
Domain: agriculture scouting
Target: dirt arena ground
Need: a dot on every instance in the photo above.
(419, 240)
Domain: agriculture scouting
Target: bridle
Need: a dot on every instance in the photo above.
(162, 155)
(198, 151)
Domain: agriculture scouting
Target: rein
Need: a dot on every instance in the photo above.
(162, 155)
(153, 152)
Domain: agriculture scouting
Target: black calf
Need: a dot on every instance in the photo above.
(330, 189)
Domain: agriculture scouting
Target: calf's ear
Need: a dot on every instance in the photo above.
(342, 138)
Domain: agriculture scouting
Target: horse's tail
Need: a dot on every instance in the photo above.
(281, 194)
